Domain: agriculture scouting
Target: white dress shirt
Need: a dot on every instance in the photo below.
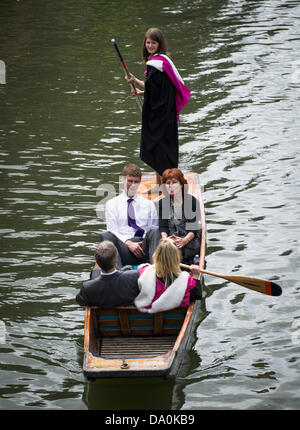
(116, 215)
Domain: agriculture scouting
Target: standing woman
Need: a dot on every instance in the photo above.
(164, 96)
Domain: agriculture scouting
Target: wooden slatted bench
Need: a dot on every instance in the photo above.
(125, 332)
(128, 321)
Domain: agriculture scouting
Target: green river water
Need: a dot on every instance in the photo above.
(68, 125)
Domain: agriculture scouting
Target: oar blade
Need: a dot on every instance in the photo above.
(275, 289)
(256, 284)
(259, 285)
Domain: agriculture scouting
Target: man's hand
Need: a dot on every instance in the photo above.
(135, 248)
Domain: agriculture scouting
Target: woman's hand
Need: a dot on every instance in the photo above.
(195, 271)
(180, 242)
(134, 81)
(137, 92)
(131, 79)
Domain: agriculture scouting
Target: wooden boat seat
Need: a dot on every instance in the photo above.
(128, 321)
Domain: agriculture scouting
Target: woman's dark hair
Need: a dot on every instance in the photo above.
(156, 35)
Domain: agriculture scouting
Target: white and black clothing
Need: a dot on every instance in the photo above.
(119, 230)
(165, 95)
(117, 220)
(159, 137)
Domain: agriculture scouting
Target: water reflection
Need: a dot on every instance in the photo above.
(114, 394)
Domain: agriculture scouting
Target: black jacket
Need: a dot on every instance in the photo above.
(190, 214)
(159, 136)
(117, 289)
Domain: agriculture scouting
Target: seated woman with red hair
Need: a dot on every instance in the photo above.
(179, 214)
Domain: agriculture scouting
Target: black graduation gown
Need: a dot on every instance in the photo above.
(159, 137)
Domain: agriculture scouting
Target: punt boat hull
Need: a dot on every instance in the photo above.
(123, 342)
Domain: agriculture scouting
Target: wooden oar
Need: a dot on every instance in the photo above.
(127, 72)
(260, 285)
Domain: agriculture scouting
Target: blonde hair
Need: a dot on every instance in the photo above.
(166, 260)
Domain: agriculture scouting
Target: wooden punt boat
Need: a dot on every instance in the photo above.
(123, 342)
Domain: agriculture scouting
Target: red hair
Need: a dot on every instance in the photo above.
(173, 174)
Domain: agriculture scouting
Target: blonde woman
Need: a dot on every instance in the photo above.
(163, 285)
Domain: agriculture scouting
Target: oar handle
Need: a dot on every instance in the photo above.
(185, 266)
(126, 71)
(120, 57)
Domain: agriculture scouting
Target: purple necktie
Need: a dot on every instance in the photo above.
(131, 219)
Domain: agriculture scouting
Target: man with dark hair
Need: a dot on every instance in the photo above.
(129, 217)
(108, 286)
(106, 256)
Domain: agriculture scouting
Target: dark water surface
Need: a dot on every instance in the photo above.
(68, 125)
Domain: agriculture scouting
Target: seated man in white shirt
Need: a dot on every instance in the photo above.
(129, 217)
